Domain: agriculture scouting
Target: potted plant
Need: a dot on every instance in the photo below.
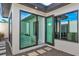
(1, 36)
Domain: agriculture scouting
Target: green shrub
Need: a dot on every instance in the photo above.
(1, 35)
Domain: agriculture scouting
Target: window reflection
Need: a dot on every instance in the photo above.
(67, 26)
(27, 36)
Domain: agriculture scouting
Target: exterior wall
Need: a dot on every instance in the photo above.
(16, 24)
(16, 21)
(4, 29)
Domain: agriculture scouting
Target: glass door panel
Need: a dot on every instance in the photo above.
(27, 29)
(67, 26)
(50, 30)
(73, 24)
(64, 29)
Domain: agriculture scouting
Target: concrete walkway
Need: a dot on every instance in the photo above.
(66, 46)
(2, 48)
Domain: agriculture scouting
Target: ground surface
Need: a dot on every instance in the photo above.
(2, 48)
(43, 51)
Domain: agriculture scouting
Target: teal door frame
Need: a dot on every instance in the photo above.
(52, 30)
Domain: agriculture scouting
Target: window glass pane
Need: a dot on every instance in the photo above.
(24, 15)
(27, 36)
(69, 27)
(50, 30)
(72, 35)
(73, 22)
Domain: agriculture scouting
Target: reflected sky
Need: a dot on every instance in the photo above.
(24, 15)
(71, 17)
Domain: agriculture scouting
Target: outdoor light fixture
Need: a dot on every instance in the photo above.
(35, 7)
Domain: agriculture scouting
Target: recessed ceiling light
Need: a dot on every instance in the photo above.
(46, 4)
(36, 7)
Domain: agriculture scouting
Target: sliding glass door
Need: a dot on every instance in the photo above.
(28, 30)
(73, 26)
(67, 26)
(64, 28)
(49, 30)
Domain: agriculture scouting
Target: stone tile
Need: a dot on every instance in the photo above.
(33, 53)
(48, 48)
(2, 51)
(41, 51)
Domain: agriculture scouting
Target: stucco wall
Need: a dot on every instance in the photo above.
(4, 29)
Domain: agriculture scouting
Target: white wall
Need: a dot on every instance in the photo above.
(4, 29)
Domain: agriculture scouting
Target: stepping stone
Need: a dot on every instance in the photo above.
(33, 54)
(2, 48)
(48, 48)
(2, 51)
(41, 51)
(2, 45)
